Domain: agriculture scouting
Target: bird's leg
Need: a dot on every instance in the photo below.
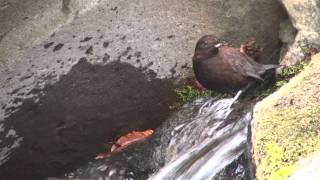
(242, 93)
(235, 98)
(249, 89)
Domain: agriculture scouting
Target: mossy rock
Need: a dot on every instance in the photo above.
(286, 125)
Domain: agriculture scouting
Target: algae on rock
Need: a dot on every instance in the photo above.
(286, 125)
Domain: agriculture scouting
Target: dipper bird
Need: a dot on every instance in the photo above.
(225, 69)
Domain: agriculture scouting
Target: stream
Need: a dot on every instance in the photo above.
(213, 139)
(205, 139)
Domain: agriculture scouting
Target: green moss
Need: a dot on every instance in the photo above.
(283, 173)
(187, 93)
(283, 78)
(286, 135)
(290, 71)
(286, 124)
(306, 46)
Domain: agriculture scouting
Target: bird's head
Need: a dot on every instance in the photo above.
(207, 46)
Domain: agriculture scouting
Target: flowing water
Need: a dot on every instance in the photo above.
(205, 139)
(213, 139)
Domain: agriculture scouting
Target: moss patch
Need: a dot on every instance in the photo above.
(283, 78)
(187, 93)
(290, 71)
(287, 125)
(286, 135)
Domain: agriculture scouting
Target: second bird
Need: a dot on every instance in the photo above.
(224, 69)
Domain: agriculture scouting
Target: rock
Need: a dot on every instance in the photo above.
(33, 21)
(305, 17)
(68, 123)
(303, 14)
(285, 125)
(67, 179)
(239, 21)
(287, 35)
(304, 41)
(72, 67)
(78, 7)
(287, 32)
(308, 168)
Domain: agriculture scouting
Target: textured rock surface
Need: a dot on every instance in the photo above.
(26, 23)
(308, 169)
(135, 49)
(305, 17)
(286, 125)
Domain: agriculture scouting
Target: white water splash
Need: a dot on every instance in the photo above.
(215, 143)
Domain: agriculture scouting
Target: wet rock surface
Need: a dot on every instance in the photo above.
(69, 121)
(235, 171)
(141, 159)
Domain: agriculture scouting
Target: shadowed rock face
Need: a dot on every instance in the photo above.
(74, 117)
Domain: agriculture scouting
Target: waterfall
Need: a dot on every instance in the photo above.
(214, 138)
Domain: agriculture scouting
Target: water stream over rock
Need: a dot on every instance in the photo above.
(211, 141)
(197, 142)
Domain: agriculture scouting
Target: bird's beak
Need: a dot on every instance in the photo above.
(218, 45)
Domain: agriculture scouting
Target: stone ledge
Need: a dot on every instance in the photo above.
(286, 125)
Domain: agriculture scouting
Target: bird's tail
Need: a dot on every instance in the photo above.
(271, 66)
(267, 67)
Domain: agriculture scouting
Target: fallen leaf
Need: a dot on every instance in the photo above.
(126, 140)
(130, 138)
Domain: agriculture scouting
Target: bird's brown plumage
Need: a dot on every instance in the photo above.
(222, 68)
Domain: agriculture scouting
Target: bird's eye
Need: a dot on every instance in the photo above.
(204, 45)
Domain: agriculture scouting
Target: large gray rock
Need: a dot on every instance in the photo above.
(285, 127)
(28, 22)
(305, 18)
(57, 111)
(308, 168)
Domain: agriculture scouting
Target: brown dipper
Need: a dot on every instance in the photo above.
(224, 69)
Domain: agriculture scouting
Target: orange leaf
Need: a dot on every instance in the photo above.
(130, 138)
(126, 140)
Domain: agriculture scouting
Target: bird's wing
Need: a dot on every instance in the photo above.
(261, 68)
(256, 76)
(240, 63)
